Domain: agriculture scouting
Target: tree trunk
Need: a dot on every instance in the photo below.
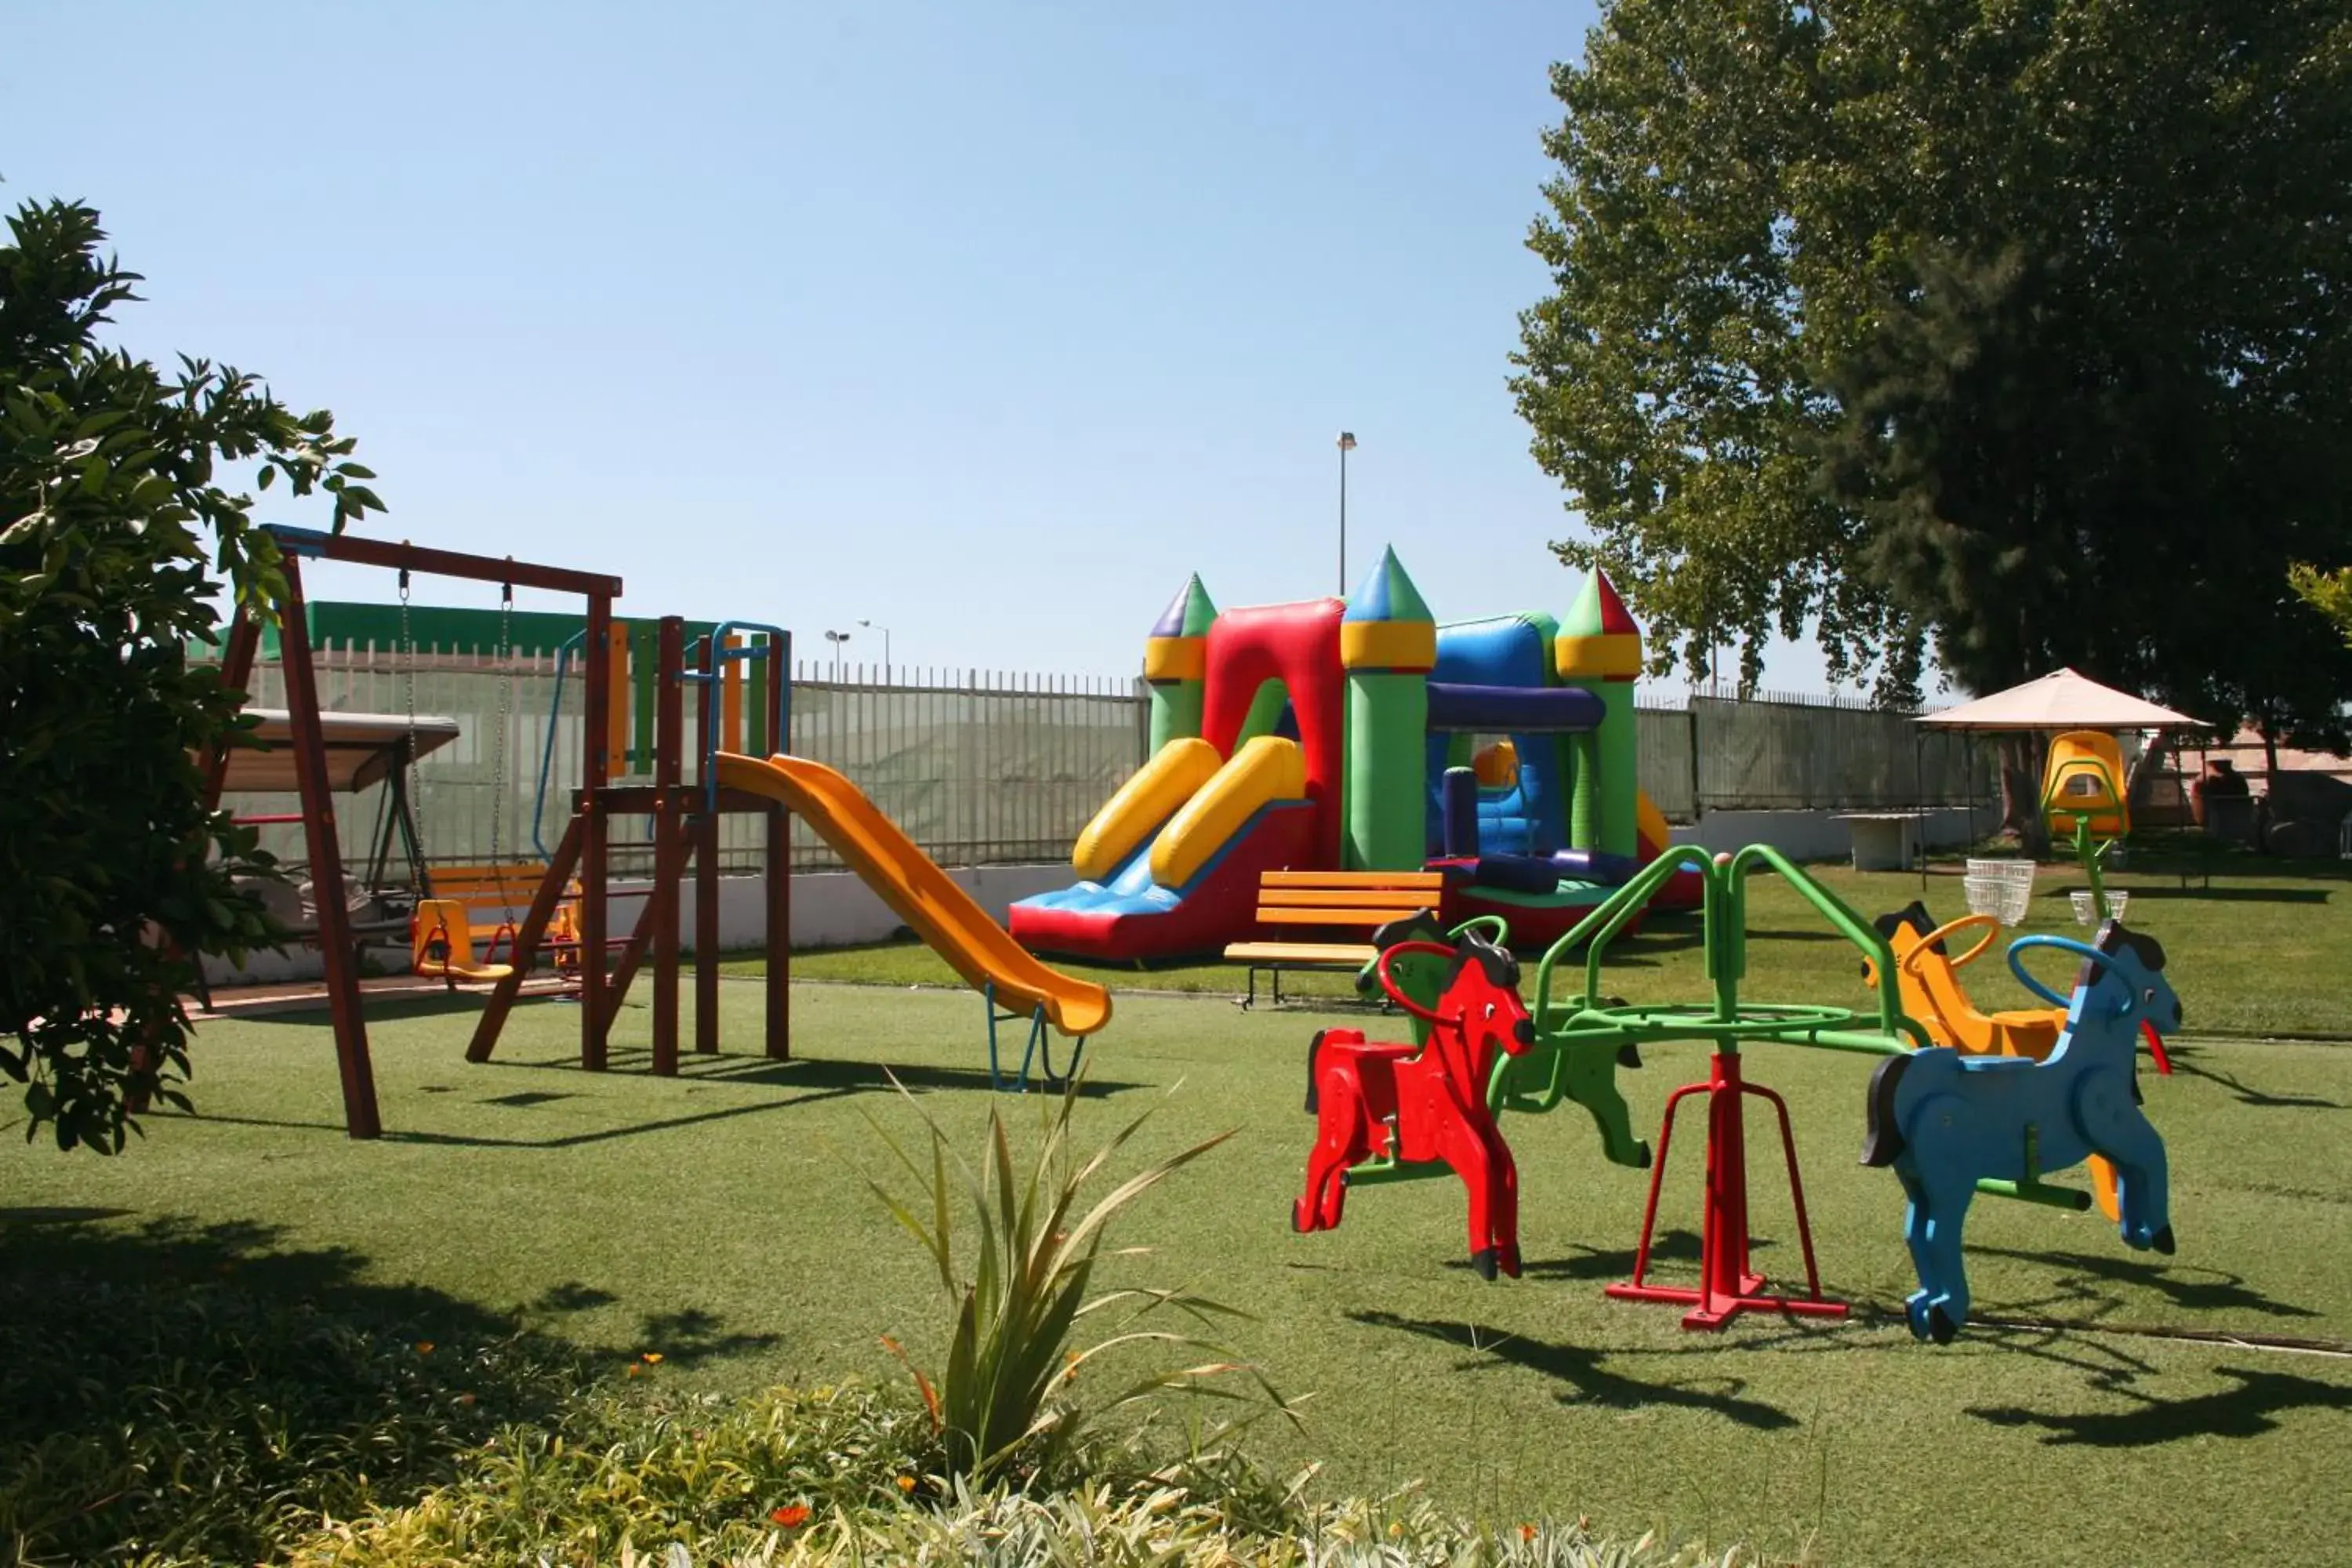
(2262, 809)
(2020, 793)
(2145, 770)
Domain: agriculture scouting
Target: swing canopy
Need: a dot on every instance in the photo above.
(362, 750)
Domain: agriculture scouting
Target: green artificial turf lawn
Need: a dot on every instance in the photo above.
(719, 1219)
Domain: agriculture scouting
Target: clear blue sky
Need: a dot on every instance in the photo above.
(988, 322)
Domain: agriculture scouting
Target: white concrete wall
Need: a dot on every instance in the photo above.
(830, 909)
(835, 909)
(1814, 834)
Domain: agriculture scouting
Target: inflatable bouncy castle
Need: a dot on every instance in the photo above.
(1359, 734)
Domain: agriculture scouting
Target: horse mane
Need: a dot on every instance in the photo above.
(1915, 917)
(1419, 926)
(1915, 920)
(2114, 938)
(1501, 969)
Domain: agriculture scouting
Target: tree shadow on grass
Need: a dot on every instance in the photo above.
(1586, 1370)
(693, 1337)
(192, 1390)
(2249, 1409)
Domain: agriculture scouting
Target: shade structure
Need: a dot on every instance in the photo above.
(361, 749)
(2062, 700)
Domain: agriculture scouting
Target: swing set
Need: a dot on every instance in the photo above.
(569, 917)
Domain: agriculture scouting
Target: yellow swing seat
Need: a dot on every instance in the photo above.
(441, 946)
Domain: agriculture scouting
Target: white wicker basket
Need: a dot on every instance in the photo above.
(2087, 908)
(2001, 888)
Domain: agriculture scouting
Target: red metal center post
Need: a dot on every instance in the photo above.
(1726, 1286)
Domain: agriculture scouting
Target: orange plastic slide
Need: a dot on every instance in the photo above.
(917, 891)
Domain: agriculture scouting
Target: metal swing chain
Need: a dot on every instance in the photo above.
(499, 741)
(408, 668)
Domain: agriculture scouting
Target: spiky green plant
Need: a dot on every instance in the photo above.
(1002, 1402)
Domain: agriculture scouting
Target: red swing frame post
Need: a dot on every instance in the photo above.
(362, 1115)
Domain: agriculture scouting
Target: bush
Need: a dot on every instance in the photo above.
(831, 1477)
(720, 1478)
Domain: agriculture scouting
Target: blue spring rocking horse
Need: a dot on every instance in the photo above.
(1944, 1120)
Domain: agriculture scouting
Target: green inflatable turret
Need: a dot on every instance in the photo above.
(1176, 663)
(1388, 645)
(1600, 648)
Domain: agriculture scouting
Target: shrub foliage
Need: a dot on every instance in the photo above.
(117, 530)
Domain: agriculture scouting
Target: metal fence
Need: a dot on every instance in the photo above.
(1779, 754)
(983, 767)
(978, 767)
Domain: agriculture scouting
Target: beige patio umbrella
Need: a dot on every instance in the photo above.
(2062, 700)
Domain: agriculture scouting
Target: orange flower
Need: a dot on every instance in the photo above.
(906, 1483)
(425, 1347)
(653, 1358)
(465, 1399)
(792, 1516)
(633, 1368)
(1526, 1533)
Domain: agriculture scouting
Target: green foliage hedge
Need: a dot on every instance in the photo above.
(178, 1397)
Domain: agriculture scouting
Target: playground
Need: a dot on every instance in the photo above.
(2098, 1394)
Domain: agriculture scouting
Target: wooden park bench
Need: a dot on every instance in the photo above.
(1329, 901)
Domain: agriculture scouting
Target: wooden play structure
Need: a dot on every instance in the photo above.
(743, 669)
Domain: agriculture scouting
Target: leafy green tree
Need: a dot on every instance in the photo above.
(2016, 331)
(2329, 592)
(117, 533)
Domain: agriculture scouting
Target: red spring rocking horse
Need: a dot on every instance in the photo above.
(1402, 1105)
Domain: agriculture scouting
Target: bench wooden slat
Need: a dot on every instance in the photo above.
(1353, 955)
(1399, 881)
(1338, 917)
(1342, 899)
(492, 886)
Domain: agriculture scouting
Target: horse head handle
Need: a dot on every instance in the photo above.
(1484, 993)
(2136, 961)
(2127, 965)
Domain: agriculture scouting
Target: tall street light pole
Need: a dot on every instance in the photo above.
(1347, 444)
(872, 626)
(836, 640)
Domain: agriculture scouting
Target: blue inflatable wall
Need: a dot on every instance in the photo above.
(1532, 818)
